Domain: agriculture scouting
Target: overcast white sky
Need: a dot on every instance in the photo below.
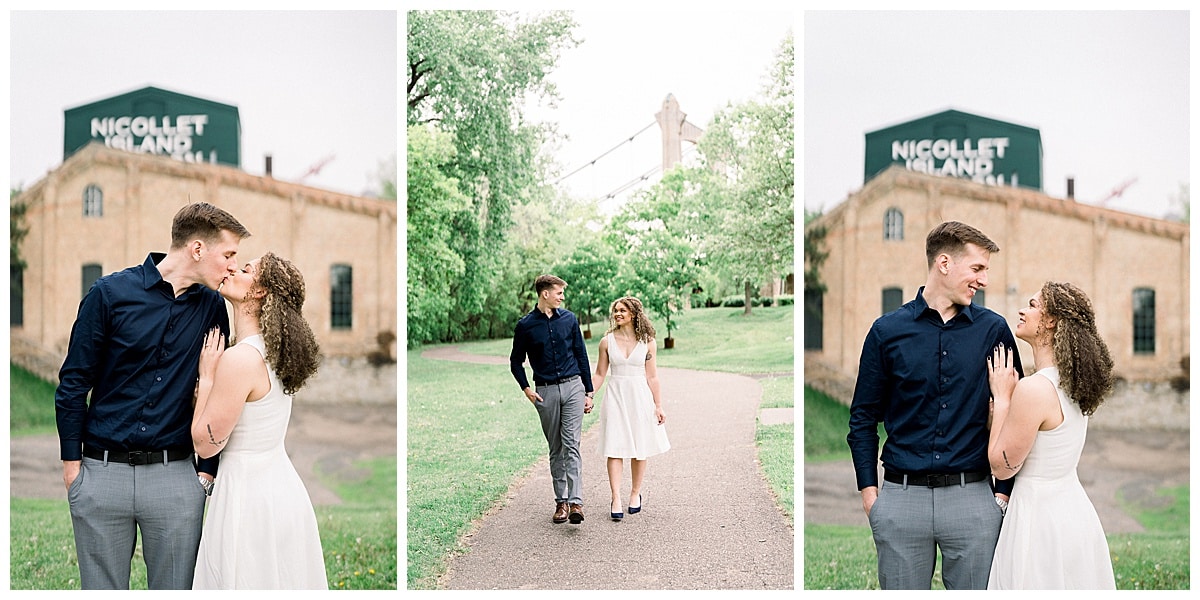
(613, 83)
(1108, 90)
(307, 84)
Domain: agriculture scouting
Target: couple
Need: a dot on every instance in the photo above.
(631, 419)
(926, 372)
(148, 384)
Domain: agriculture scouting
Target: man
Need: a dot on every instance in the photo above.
(922, 373)
(127, 452)
(550, 336)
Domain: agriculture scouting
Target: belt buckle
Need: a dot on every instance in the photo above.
(938, 480)
(137, 457)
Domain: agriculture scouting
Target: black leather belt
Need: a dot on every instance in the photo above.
(559, 382)
(136, 457)
(935, 480)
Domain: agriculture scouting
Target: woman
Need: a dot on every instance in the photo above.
(631, 417)
(260, 531)
(1051, 537)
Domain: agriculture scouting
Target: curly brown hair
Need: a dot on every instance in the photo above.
(643, 331)
(1084, 364)
(292, 350)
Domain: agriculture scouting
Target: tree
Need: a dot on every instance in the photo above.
(470, 72)
(661, 270)
(591, 274)
(17, 229)
(752, 230)
(435, 205)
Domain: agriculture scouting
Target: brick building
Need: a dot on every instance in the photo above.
(1135, 269)
(104, 209)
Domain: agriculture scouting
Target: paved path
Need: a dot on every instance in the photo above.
(709, 522)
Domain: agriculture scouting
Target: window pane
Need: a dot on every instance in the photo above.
(893, 298)
(814, 320)
(93, 201)
(893, 224)
(341, 295)
(91, 272)
(980, 299)
(1143, 321)
(16, 295)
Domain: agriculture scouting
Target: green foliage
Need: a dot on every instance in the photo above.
(590, 272)
(17, 228)
(435, 207)
(470, 72)
(750, 235)
(31, 403)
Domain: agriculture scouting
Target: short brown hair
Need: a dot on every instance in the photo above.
(201, 220)
(545, 282)
(952, 237)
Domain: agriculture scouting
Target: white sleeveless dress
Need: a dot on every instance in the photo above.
(628, 427)
(260, 531)
(1052, 537)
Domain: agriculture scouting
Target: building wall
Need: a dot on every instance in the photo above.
(313, 228)
(1106, 253)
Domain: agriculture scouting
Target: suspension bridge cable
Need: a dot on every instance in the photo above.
(605, 153)
(643, 177)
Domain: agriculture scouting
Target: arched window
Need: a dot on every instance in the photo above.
(341, 296)
(893, 224)
(93, 201)
(1143, 321)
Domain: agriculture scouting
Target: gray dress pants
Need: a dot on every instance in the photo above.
(561, 413)
(110, 502)
(910, 524)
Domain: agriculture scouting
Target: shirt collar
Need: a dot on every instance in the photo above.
(151, 277)
(920, 306)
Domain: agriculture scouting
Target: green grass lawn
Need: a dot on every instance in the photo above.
(495, 438)
(358, 536)
(838, 557)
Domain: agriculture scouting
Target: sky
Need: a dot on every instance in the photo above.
(1108, 90)
(309, 85)
(615, 81)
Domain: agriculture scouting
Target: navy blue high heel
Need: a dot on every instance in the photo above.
(616, 516)
(633, 510)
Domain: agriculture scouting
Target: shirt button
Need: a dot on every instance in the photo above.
(938, 456)
(943, 352)
(158, 378)
(143, 428)
(943, 406)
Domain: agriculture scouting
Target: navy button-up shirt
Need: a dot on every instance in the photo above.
(927, 382)
(135, 348)
(554, 346)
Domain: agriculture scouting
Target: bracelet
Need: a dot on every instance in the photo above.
(207, 485)
(1003, 504)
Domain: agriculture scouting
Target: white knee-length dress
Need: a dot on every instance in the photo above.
(260, 531)
(628, 426)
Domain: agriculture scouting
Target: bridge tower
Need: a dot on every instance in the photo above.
(676, 129)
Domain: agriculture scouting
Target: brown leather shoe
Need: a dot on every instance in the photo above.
(560, 513)
(576, 514)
